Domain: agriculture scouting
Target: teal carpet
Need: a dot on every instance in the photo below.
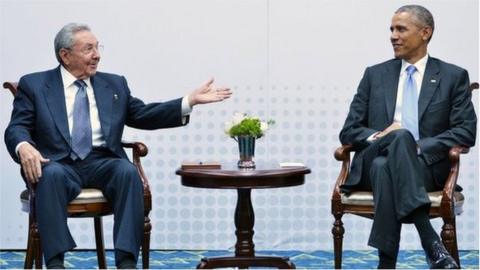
(174, 259)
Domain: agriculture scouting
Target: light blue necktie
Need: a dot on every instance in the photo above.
(410, 103)
(82, 129)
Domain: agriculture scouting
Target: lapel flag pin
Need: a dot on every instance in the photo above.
(433, 81)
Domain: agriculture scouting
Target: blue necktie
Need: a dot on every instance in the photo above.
(410, 103)
(82, 129)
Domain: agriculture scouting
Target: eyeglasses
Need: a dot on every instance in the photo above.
(88, 49)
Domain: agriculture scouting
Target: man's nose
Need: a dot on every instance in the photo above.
(96, 53)
(394, 35)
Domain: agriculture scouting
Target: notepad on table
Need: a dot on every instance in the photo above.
(201, 165)
(291, 164)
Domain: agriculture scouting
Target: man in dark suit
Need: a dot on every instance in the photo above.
(402, 135)
(66, 129)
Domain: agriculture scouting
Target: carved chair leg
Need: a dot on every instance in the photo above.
(338, 231)
(449, 237)
(146, 243)
(455, 246)
(37, 247)
(102, 262)
(29, 256)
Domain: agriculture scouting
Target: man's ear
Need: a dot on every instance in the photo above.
(427, 33)
(64, 55)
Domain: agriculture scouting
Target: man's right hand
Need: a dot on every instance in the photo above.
(392, 127)
(31, 161)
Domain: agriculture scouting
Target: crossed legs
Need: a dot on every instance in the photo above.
(399, 180)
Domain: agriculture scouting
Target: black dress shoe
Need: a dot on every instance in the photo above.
(439, 258)
(386, 261)
(56, 262)
(124, 260)
(127, 264)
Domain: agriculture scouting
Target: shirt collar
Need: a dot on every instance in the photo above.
(68, 79)
(421, 65)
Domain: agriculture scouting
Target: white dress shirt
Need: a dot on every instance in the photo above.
(417, 77)
(70, 90)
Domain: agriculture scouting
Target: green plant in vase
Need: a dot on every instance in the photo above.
(245, 130)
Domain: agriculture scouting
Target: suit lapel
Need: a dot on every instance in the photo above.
(55, 96)
(430, 82)
(390, 84)
(104, 99)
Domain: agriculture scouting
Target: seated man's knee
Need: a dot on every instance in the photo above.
(52, 172)
(126, 171)
(56, 180)
(402, 134)
(125, 167)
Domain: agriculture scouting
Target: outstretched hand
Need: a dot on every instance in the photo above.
(208, 93)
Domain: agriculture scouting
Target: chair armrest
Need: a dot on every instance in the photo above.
(138, 150)
(449, 188)
(342, 154)
(474, 86)
(12, 86)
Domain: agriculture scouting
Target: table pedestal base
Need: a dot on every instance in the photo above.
(246, 262)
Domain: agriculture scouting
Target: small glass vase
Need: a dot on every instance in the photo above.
(246, 148)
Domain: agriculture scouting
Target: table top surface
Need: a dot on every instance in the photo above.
(234, 178)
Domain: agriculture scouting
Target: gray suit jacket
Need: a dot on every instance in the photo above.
(445, 111)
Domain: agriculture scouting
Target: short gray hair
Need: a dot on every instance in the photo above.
(64, 37)
(420, 14)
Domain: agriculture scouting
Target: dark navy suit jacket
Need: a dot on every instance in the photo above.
(445, 111)
(40, 117)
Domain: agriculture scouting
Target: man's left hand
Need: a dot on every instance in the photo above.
(208, 93)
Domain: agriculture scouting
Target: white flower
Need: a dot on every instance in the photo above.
(263, 127)
(237, 118)
(245, 125)
(228, 126)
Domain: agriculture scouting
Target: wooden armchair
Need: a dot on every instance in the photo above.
(89, 203)
(445, 204)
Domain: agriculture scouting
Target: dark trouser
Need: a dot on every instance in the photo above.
(399, 180)
(62, 181)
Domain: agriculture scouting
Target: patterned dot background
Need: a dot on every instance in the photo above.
(284, 60)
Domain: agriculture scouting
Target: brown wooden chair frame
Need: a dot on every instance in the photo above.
(446, 210)
(96, 210)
